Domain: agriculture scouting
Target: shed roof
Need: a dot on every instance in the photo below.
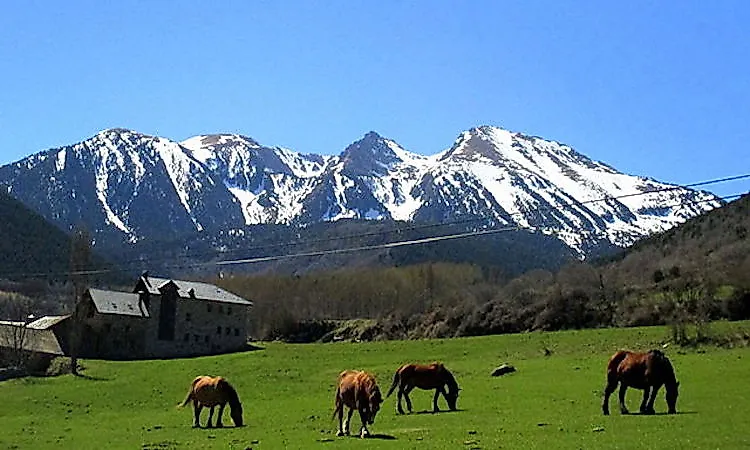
(191, 289)
(35, 340)
(46, 322)
(121, 303)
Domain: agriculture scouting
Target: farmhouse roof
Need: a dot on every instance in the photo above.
(121, 303)
(34, 340)
(46, 322)
(190, 289)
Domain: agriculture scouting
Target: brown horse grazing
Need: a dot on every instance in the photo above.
(425, 376)
(647, 371)
(357, 390)
(212, 391)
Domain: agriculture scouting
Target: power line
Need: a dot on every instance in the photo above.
(397, 243)
(123, 267)
(473, 219)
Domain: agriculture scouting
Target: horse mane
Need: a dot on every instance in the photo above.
(666, 365)
(233, 398)
(449, 380)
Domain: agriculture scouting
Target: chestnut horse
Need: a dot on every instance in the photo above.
(425, 376)
(647, 371)
(209, 392)
(357, 390)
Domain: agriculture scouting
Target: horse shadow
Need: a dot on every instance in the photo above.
(90, 377)
(382, 436)
(442, 411)
(664, 413)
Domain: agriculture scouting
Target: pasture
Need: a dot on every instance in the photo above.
(287, 390)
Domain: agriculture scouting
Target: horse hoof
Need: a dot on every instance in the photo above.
(364, 434)
(339, 433)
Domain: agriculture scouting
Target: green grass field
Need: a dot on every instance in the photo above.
(287, 393)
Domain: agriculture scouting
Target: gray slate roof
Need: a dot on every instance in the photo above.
(122, 303)
(46, 322)
(42, 341)
(201, 291)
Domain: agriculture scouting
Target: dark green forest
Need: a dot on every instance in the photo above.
(502, 283)
(691, 274)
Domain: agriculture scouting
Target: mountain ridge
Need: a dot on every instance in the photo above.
(127, 186)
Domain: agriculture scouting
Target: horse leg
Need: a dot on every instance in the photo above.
(363, 432)
(435, 400)
(623, 389)
(650, 405)
(221, 414)
(400, 394)
(408, 400)
(347, 424)
(197, 407)
(644, 403)
(341, 419)
(608, 390)
(210, 417)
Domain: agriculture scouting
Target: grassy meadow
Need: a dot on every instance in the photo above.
(287, 392)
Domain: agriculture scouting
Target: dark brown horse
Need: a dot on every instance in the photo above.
(647, 371)
(357, 390)
(209, 392)
(428, 377)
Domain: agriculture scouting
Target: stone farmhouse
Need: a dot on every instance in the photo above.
(160, 318)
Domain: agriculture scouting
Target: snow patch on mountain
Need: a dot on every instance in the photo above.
(496, 176)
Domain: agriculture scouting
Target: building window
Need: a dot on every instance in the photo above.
(218, 330)
(187, 337)
(196, 337)
(206, 339)
(221, 309)
(187, 317)
(228, 331)
(208, 307)
(229, 310)
(236, 331)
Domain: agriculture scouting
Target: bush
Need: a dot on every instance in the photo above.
(62, 365)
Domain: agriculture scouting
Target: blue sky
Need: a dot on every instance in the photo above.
(660, 89)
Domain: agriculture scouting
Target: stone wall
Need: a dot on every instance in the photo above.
(201, 328)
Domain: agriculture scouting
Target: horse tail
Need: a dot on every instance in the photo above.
(190, 392)
(396, 379)
(187, 399)
(338, 405)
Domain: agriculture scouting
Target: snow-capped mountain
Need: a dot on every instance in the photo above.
(128, 186)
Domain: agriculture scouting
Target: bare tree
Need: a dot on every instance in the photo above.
(80, 256)
(15, 336)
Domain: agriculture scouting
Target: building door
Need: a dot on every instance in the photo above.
(167, 314)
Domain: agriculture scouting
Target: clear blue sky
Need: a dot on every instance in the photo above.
(660, 89)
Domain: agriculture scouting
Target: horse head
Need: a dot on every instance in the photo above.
(234, 405)
(236, 414)
(451, 396)
(671, 397)
(375, 399)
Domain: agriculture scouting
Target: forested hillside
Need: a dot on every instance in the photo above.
(28, 243)
(689, 275)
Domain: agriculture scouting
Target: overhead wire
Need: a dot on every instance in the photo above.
(124, 265)
(424, 226)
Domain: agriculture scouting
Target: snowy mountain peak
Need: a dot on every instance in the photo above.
(371, 155)
(121, 182)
